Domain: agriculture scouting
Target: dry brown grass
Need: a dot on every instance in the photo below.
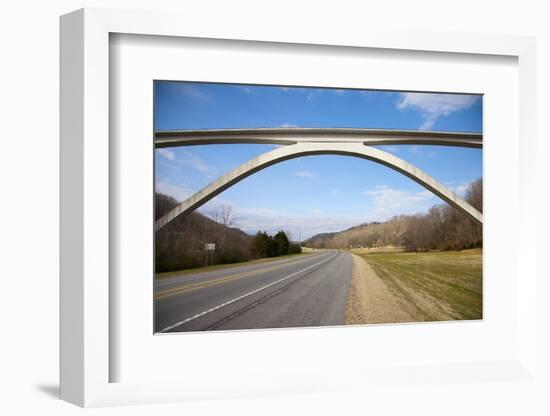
(413, 287)
(388, 249)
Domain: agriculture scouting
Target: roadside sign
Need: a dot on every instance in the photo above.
(210, 247)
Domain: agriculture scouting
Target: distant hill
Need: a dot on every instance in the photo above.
(322, 240)
(180, 244)
(319, 238)
(441, 228)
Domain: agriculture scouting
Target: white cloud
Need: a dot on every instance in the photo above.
(305, 174)
(459, 189)
(193, 92)
(293, 89)
(215, 204)
(301, 225)
(312, 95)
(288, 125)
(179, 192)
(434, 106)
(388, 202)
(422, 150)
(391, 148)
(190, 159)
(246, 89)
(368, 94)
(167, 154)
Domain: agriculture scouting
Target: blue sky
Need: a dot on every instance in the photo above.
(316, 193)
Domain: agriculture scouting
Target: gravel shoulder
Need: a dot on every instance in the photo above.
(370, 301)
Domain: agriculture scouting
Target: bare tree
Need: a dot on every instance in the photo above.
(225, 218)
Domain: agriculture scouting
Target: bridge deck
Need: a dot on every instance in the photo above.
(293, 135)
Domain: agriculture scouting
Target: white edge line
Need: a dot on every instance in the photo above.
(192, 318)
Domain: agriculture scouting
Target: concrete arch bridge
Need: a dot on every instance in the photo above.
(299, 142)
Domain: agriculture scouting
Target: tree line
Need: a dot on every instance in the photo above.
(444, 227)
(180, 244)
(265, 245)
(441, 228)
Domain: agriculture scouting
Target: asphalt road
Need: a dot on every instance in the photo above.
(296, 292)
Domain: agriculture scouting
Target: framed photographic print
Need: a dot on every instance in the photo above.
(319, 240)
(319, 201)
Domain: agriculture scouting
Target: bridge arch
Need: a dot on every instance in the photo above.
(307, 149)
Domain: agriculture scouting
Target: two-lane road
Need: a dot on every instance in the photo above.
(303, 291)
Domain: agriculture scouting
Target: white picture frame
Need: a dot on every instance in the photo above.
(86, 291)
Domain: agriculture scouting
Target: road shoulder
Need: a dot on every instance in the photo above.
(369, 300)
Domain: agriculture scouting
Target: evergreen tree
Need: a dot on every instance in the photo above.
(262, 245)
(282, 243)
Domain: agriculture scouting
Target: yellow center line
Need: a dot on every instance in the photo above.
(200, 285)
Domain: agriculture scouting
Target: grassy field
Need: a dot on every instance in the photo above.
(179, 273)
(433, 286)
